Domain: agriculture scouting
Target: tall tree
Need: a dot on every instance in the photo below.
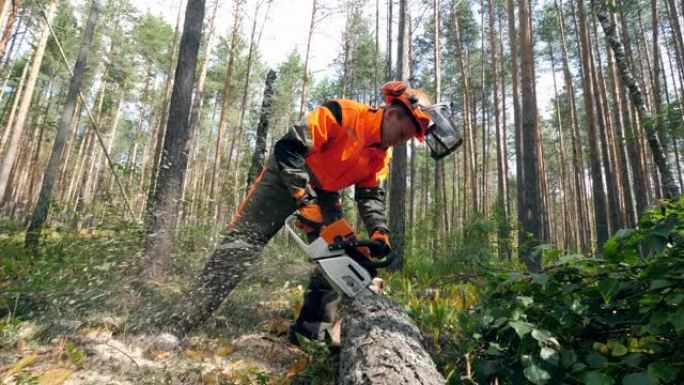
(26, 96)
(397, 195)
(262, 128)
(598, 194)
(502, 183)
(42, 206)
(530, 213)
(8, 14)
(162, 208)
(671, 189)
(223, 120)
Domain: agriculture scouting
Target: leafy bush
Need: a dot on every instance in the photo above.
(618, 319)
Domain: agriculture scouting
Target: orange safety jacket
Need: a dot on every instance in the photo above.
(336, 146)
(346, 153)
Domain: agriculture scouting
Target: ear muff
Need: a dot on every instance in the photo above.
(411, 98)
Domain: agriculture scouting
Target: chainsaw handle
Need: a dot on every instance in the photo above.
(379, 264)
(288, 226)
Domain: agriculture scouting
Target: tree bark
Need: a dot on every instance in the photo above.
(669, 185)
(223, 120)
(381, 345)
(530, 214)
(262, 128)
(438, 209)
(42, 206)
(515, 100)
(8, 23)
(503, 233)
(159, 134)
(397, 195)
(162, 208)
(599, 198)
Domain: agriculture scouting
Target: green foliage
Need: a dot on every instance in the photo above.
(74, 272)
(618, 319)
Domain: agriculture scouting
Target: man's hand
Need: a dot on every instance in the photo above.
(382, 248)
(310, 217)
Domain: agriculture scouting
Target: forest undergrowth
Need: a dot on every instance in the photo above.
(75, 315)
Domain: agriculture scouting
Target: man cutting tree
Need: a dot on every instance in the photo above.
(339, 144)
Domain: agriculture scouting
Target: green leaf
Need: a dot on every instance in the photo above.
(624, 234)
(543, 279)
(521, 327)
(662, 372)
(536, 374)
(608, 288)
(494, 348)
(617, 349)
(677, 319)
(541, 335)
(598, 378)
(596, 361)
(567, 358)
(660, 283)
(525, 301)
(640, 378)
(655, 242)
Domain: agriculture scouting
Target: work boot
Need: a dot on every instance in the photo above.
(311, 331)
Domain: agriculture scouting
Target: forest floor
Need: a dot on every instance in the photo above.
(70, 320)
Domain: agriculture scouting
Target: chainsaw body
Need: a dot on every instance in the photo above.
(345, 274)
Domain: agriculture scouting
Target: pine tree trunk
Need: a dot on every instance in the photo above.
(623, 162)
(41, 211)
(8, 16)
(612, 178)
(567, 203)
(503, 234)
(161, 210)
(632, 132)
(6, 132)
(438, 221)
(155, 147)
(198, 97)
(598, 197)
(262, 128)
(670, 187)
(530, 214)
(397, 193)
(381, 345)
(27, 95)
(223, 120)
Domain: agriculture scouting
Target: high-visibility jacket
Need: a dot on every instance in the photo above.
(336, 146)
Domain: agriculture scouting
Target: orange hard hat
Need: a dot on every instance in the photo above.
(411, 98)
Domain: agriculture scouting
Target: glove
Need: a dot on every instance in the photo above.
(310, 217)
(382, 246)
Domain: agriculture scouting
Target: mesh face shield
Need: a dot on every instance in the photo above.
(442, 136)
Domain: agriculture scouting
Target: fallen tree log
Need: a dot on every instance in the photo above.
(381, 345)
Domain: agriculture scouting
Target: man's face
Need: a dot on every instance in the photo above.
(397, 127)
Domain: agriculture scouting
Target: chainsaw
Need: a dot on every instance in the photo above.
(336, 250)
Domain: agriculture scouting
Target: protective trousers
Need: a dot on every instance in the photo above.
(260, 216)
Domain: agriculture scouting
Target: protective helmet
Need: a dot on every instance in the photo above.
(433, 122)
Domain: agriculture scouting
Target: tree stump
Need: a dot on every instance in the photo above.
(381, 345)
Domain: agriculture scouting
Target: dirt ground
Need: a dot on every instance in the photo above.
(244, 342)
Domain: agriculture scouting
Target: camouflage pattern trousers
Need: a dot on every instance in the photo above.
(260, 216)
